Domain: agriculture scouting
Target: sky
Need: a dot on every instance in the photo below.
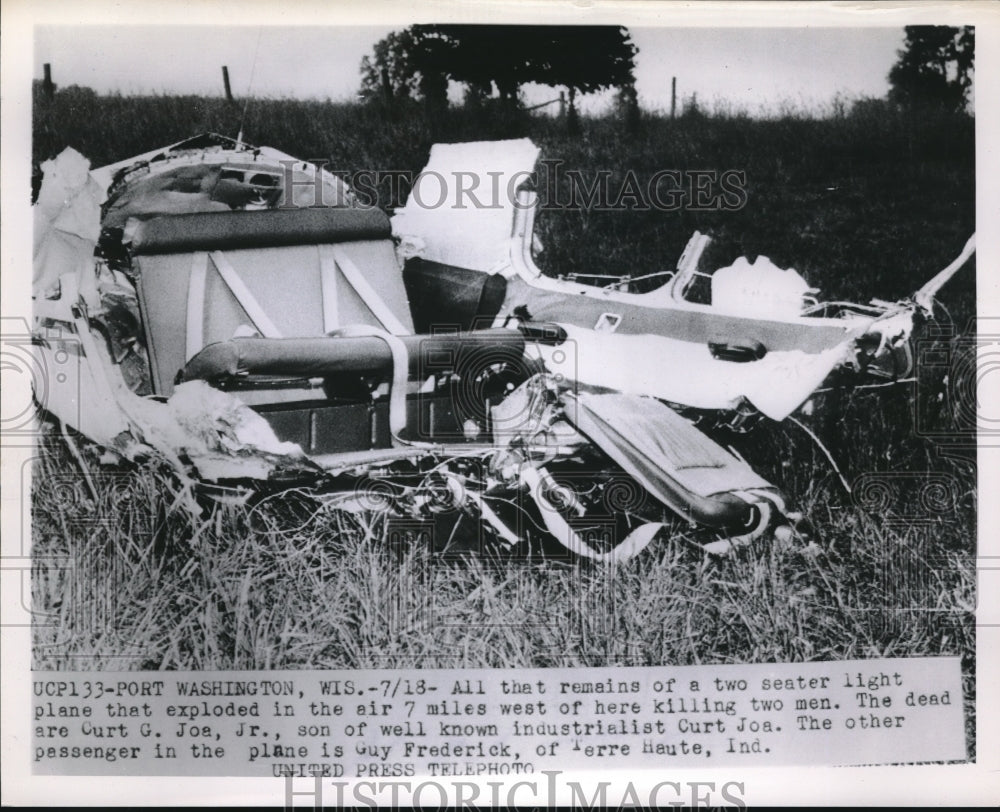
(759, 70)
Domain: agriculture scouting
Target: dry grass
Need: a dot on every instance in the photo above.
(258, 587)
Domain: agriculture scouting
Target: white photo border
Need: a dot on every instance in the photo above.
(971, 784)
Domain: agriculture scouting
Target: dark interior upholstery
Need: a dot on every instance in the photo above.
(219, 231)
(445, 296)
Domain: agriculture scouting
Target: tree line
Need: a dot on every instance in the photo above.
(934, 69)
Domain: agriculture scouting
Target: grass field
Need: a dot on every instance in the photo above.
(864, 204)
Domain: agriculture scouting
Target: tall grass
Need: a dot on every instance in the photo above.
(866, 203)
(133, 579)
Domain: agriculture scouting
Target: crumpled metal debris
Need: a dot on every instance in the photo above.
(759, 289)
(221, 436)
(67, 219)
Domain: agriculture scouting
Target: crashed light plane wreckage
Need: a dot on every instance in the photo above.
(421, 365)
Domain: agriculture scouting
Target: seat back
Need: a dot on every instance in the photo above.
(294, 273)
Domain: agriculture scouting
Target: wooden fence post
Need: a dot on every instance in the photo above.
(48, 88)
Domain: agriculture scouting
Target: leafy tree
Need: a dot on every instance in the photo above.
(935, 68)
(387, 72)
(422, 58)
(407, 63)
(584, 59)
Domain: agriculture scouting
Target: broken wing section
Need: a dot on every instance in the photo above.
(548, 427)
(669, 457)
(688, 373)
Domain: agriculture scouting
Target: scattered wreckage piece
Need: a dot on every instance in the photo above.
(423, 365)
